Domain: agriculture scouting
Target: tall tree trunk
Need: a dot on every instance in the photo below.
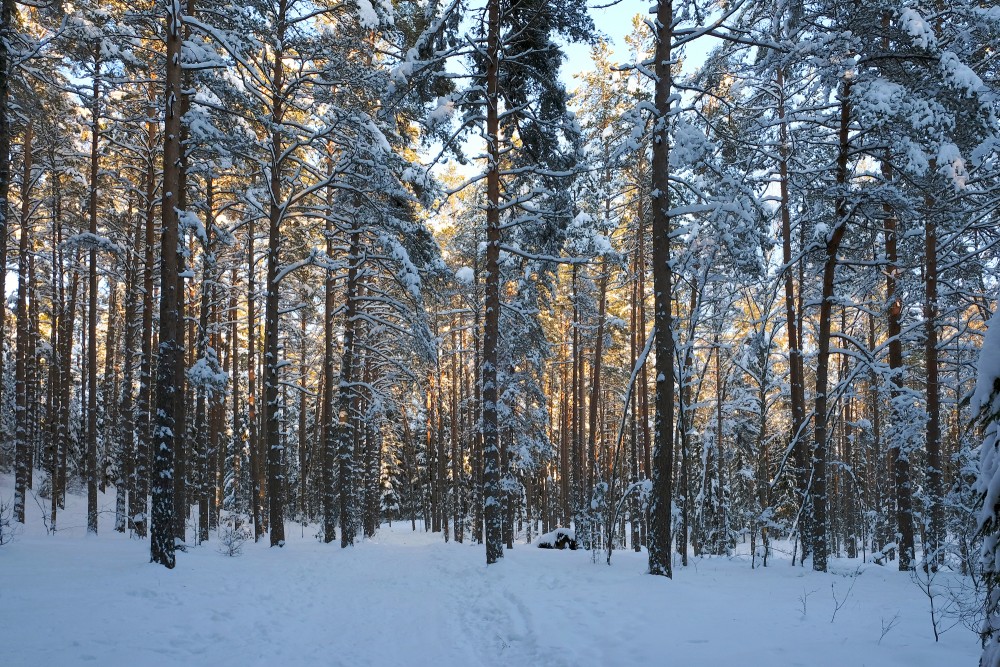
(796, 369)
(565, 450)
(92, 309)
(142, 459)
(183, 458)
(127, 437)
(32, 384)
(898, 451)
(233, 499)
(22, 444)
(442, 452)
(109, 388)
(576, 405)
(67, 388)
(933, 551)
(161, 529)
(593, 430)
(492, 501)
(663, 448)
(346, 394)
(59, 377)
(256, 465)
(203, 392)
(635, 340)
(821, 451)
(430, 446)
(478, 510)
(7, 12)
(304, 462)
(684, 425)
(272, 414)
(456, 455)
(182, 506)
(329, 431)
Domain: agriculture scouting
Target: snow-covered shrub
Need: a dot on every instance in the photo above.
(233, 534)
(560, 538)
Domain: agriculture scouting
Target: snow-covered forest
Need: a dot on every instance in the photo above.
(388, 275)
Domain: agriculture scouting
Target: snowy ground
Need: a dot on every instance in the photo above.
(407, 598)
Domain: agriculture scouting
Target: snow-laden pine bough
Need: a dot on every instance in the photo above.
(986, 401)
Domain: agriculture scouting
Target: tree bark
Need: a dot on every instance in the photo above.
(492, 502)
(933, 551)
(821, 450)
(203, 393)
(593, 430)
(796, 368)
(6, 39)
(92, 309)
(660, 518)
(272, 413)
(21, 359)
(329, 430)
(897, 451)
(345, 396)
(162, 534)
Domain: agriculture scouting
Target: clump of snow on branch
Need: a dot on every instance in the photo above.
(917, 28)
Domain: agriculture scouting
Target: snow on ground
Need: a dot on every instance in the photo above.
(407, 598)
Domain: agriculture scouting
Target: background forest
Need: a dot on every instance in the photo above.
(348, 262)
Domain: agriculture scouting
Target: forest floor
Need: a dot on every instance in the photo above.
(407, 598)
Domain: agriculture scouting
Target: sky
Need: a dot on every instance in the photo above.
(613, 23)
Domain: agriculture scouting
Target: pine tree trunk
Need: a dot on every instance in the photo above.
(933, 551)
(22, 444)
(66, 356)
(478, 518)
(126, 478)
(161, 528)
(33, 386)
(593, 430)
(660, 517)
(7, 12)
(442, 453)
(304, 462)
(256, 465)
(140, 485)
(492, 500)
(821, 452)
(576, 406)
(898, 451)
(431, 449)
(796, 368)
(232, 485)
(272, 350)
(345, 396)
(181, 500)
(565, 459)
(92, 311)
(456, 455)
(109, 389)
(58, 371)
(684, 419)
(201, 417)
(329, 430)
(633, 355)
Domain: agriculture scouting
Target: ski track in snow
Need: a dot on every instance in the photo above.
(406, 598)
